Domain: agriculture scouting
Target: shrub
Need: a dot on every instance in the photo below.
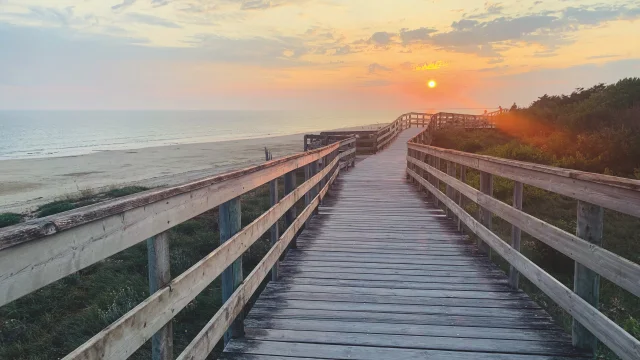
(8, 219)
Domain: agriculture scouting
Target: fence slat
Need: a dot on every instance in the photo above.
(484, 215)
(586, 282)
(230, 224)
(159, 276)
(514, 277)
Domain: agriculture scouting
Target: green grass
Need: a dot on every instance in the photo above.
(8, 219)
(125, 191)
(53, 321)
(55, 207)
(621, 232)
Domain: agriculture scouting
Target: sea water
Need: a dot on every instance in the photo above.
(38, 134)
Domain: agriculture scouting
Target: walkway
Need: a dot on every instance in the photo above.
(381, 274)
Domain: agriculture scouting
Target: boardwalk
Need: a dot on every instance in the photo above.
(380, 273)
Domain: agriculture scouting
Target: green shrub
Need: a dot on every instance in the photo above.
(116, 193)
(55, 208)
(8, 219)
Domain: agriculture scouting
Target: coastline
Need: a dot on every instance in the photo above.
(27, 183)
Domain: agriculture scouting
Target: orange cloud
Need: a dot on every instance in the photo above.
(435, 65)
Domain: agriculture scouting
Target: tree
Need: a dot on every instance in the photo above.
(514, 107)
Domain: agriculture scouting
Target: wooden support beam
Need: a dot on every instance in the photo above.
(484, 215)
(451, 171)
(436, 182)
(274, 233)
(290, 215)
(461, 201)
(159, 276)
(514, 276)
(586, 282)
(230, 224)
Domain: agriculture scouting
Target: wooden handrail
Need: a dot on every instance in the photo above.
(604, 191)
(39, 252)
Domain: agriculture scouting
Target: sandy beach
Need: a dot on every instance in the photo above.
(27, 183)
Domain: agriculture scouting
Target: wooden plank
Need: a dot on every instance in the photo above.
(619, 194)
(618, 340)
(586, 283)
(416, 342)
(290, 215)
(613, 267)
(209, 336)
(74, 240)
(159, 276)
(484, 215)
(274, 233)
(293, 305)
(514, 277)
(352, 352)
(132, 330)
(229, 222)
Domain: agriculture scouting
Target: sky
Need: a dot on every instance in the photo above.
(309, 54)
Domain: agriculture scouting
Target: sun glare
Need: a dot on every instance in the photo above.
(432, 84)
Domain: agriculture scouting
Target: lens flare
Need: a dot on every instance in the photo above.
(432, 84)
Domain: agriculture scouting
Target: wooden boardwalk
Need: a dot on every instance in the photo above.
(380, 273)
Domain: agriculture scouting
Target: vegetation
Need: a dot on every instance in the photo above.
(8, 219)
(53, 321)
(595, 130)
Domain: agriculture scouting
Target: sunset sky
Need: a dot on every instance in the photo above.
(309, 54)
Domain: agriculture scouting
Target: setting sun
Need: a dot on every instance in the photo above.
(432, 84)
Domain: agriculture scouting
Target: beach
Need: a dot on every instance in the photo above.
(27, 183)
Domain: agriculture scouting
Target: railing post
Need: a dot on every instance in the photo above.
(436, 181)
(514, 275)
(290, 215)
(451, 171)
(484, 215)
(159, 276)
(230, 224)
(461, 201)
(273, 197)
(586, 283)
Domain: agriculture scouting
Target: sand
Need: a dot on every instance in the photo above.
(27, 183)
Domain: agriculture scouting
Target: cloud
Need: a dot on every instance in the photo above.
(490, 9)
(375, 68)
(125, 4)
(416, 35)
(151, 20)
(381, 38)
(487, 38)
(496, 61)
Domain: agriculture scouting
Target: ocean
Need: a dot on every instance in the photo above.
(39, 134)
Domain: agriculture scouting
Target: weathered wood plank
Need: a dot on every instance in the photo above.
(610, 192)
(352, 352)
(159, 276)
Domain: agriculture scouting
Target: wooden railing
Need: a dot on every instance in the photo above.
(369, 141)
(593, 192)
(39, 252)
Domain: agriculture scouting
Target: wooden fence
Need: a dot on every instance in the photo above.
(369, 141)
(39, 252)
(593, 192)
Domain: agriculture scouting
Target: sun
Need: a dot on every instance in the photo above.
(432, 84)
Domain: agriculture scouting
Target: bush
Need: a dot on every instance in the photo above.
(116, 193)
(8, 219)
(55, 208)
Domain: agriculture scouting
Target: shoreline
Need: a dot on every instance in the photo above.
(28, 183)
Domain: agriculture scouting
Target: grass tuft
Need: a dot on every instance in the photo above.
(8, 219)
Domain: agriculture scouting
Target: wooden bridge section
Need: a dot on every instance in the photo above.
(380, 273)
(376, 264)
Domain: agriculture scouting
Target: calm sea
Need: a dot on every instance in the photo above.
(37, 134)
